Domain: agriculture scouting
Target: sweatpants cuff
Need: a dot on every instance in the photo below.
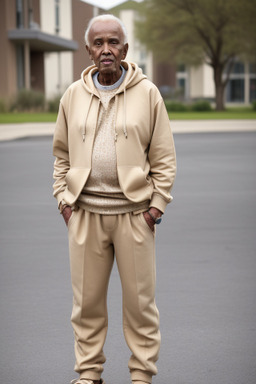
(143, 376)
(90, 375)
(139, 382)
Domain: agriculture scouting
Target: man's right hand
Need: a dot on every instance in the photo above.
(66, 213)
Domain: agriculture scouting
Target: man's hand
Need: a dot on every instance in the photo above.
(156, 213)
(66, 213)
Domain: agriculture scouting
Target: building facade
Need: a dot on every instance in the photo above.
(68, 20)
(25, 44)
(43, 44)
(44, 50)
(197, 83)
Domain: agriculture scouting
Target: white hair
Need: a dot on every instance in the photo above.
(105, 18)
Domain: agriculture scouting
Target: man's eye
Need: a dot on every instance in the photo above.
(98, 43)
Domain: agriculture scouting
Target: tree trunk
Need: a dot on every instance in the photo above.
(219, 88)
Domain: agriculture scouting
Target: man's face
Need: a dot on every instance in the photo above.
(107, 49)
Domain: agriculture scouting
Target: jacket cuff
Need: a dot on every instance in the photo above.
(158, 202)
(59, 198)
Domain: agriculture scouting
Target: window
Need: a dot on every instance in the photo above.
(252, 82)
(252, 90)
(238, 68)
(181, 68)
(182, 82)
(182, 87)
(57, 16)
(252, 68)
(19, 14)
(235, 90)
(241, 87)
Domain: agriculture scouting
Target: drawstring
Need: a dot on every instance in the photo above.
(116, 108)
(124, 116)
(84, 130)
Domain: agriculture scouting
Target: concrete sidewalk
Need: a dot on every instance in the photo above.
(17, 131)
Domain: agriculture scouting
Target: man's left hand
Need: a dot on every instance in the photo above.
(156, 213)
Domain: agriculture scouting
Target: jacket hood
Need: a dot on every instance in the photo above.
(133, 76)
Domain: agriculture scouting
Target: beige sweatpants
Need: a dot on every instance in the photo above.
(94, 240)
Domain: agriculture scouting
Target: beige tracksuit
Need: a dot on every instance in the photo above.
(146, 166)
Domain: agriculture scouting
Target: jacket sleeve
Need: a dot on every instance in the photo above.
(61, 153)
(162, 158)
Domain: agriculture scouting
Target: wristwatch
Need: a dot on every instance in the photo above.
(157, 220)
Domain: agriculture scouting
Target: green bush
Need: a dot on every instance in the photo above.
(175, 106)
(198, 106)
(53, 104)
(201, 106)
(29, 100)
(3, 106)
(254, 105)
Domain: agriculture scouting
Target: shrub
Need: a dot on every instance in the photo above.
(29, 100)
(201, 106)
(175, 106)
(254, 105)
(53, 104)
(3, 106)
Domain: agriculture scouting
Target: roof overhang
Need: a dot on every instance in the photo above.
(40, 41)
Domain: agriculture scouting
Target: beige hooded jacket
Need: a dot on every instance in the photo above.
(146, 162)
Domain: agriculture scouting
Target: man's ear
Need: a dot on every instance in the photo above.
(89, 51)
(126, 46)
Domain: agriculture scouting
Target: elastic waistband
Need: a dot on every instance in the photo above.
(135, 209)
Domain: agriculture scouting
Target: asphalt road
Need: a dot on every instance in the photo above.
(206, 269)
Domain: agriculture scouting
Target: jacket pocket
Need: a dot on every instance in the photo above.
(135, 184)
(76, 179)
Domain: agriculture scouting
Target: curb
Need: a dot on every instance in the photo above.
(23, 130)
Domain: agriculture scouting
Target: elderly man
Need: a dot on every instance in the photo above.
(114, 169)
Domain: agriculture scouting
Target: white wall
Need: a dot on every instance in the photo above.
(208, 86)
(201, 81)
(196, 81)
(58, 67)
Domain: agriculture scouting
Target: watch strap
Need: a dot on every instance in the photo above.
(157, 220)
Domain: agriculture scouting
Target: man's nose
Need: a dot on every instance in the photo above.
(106, 49)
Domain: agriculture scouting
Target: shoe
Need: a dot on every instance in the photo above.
(85, 381)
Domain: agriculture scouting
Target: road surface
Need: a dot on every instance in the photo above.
(206, 269)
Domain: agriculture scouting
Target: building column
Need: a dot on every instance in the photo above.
(27, 64)
(96, 11)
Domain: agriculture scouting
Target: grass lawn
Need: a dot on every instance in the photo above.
(13, 118)
(241, 113)
(230, 113)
